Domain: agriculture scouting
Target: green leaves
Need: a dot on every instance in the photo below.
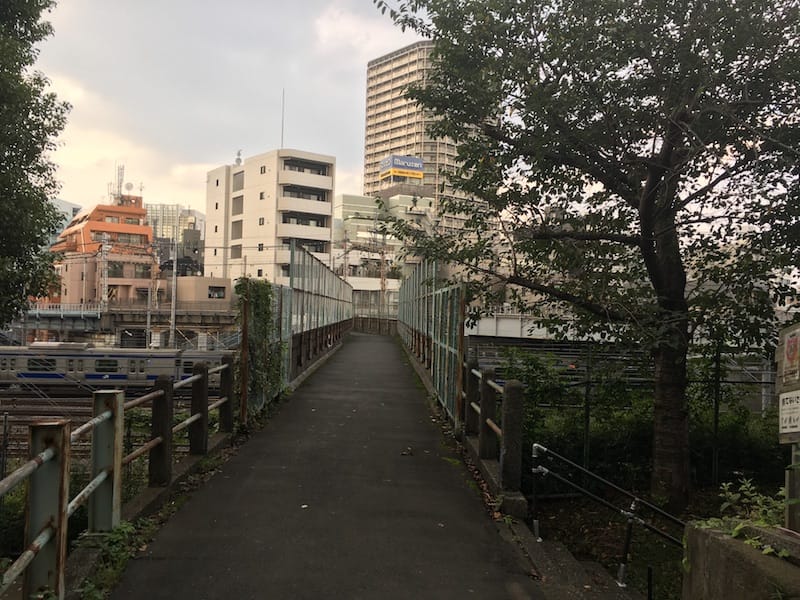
(30, 119)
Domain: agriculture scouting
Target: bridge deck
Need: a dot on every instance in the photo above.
(349, 492)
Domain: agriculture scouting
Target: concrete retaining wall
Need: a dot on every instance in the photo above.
(719, 567)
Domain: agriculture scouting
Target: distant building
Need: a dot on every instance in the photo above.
(365, 253)
(175, 226)
(257, 206)
(400, 156)
(107, 255)
(69, 210)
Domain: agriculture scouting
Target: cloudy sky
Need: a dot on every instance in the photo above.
(171, 89)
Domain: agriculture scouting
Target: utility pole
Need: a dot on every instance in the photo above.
(172, 340)
(104, 248)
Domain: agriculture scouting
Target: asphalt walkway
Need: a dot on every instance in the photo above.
(350, 492)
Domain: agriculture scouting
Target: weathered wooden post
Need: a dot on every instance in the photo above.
(105, 504)
(198, 430)
(226, 391)
(487, 439)
(48, 498)
(159, 468)
(473, 389)
(511, 449)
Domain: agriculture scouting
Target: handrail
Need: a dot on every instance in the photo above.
(106, 461)
(184, 382)
(610, 484)
(625, 513)
(629, 514)
(90, 425)
(143, 399)
(20, 474)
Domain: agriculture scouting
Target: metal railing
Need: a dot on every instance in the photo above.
(48, 471)
(632, 513)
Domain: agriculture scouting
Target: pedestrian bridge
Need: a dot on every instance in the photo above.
(355, 487)
(350, 491)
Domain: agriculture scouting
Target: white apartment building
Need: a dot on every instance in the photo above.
(255, 207)
(396, 129)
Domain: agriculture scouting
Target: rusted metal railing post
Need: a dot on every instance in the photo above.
(48, 498)
(511, 449)
(105, 504)
(226, 391)
(198, 430)
(159, 467)
(487, 439)
(473, 389)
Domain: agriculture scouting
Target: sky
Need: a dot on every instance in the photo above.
(172, 89)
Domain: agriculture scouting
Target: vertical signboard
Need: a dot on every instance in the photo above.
(787, 355)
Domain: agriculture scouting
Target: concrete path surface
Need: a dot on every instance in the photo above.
(351, 491)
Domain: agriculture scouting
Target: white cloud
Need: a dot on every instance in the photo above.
(359, 37)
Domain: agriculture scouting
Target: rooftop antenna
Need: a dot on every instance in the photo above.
(283, 111)
(120, 179)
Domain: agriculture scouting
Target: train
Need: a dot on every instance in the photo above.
(86, 366)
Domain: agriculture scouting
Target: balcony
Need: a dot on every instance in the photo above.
(313, 207)
(286, 230)
(286, 177)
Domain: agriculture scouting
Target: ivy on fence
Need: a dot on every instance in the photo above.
(257, 315)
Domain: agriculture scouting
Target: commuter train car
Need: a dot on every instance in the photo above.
(50, 363)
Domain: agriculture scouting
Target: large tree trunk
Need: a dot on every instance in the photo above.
(670, 477)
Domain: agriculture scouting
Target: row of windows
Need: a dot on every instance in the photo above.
(49, 365)
(121, 238)
(126, 220)
(117, 269)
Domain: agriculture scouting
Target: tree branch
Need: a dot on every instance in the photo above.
(589, 236)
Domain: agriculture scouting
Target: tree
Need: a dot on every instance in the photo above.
(631, 166)
(30, 118)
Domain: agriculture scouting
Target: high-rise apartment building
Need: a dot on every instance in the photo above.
(399, 153)
(257, 206)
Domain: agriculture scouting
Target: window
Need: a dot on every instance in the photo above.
(106, 365)
(112, 219)
(216, 228)
(217, 182)
(40, 365)
(216, 205)
(263, 169)
(260, 220)
(215, 251)
(216, 292)
(294, 191)
(261, 195)
(238, 181)
(115, 269)
(141, 271)
(236, 251)
(261, 247)
(236, 230)
(238, 206)
(260, 273)
(132, 221)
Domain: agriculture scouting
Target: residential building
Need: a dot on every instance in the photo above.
(367, 255)
(256, 207)
(400, 156)
(107, 255)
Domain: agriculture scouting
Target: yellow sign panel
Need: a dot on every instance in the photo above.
(401, 173)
